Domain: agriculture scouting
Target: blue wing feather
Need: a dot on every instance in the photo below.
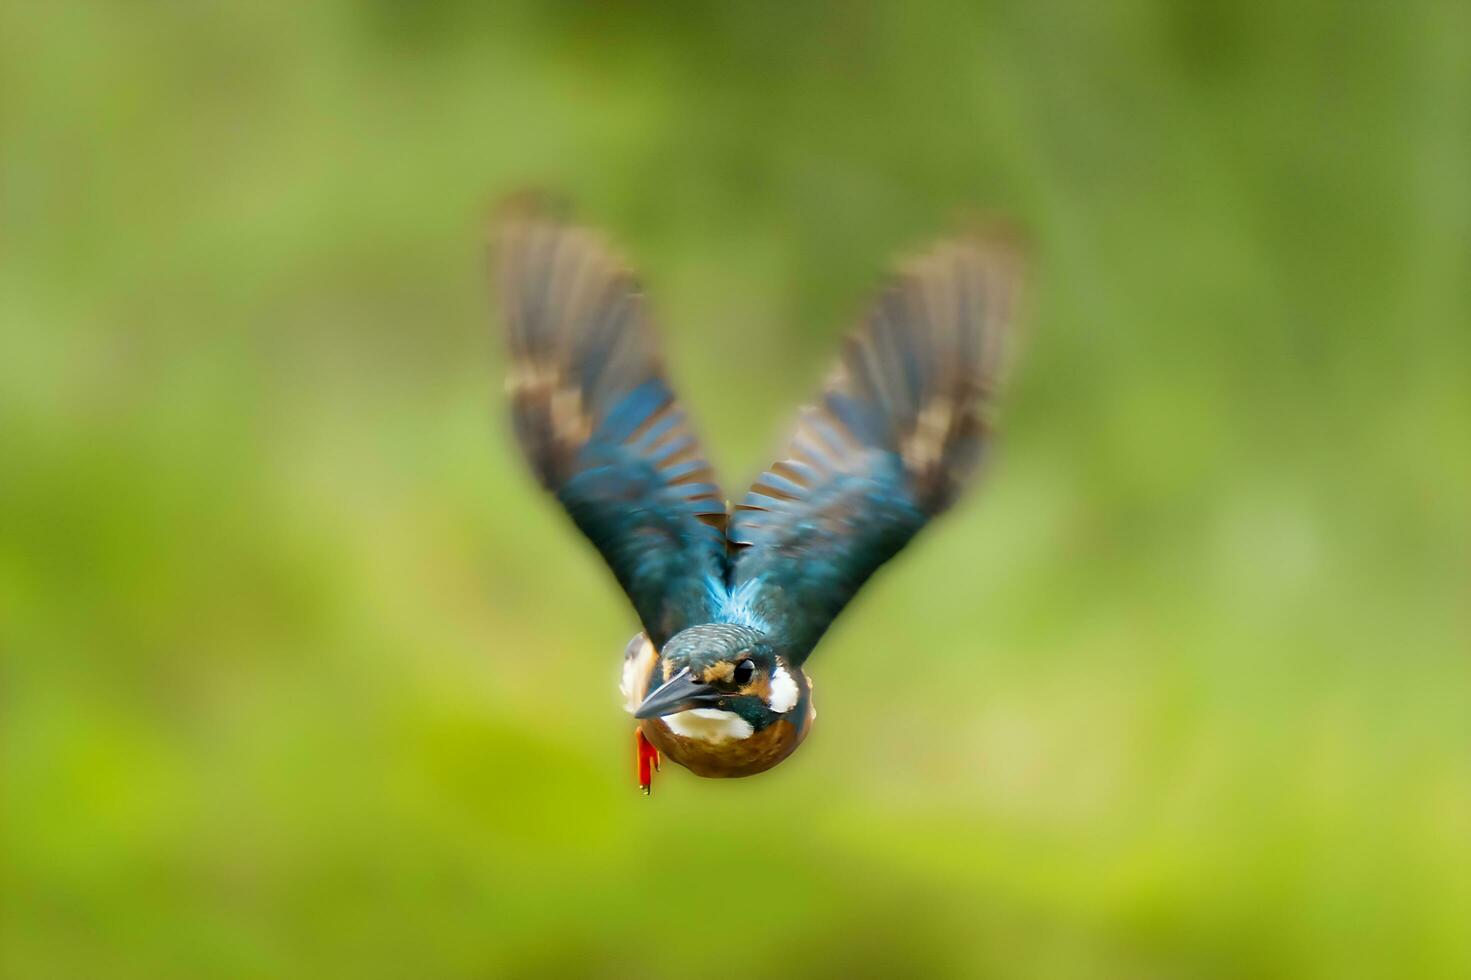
(601, 427)
(896, 434)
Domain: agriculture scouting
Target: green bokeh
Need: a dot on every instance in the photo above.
(301, 677)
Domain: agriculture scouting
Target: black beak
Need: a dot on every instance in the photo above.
(680, 693)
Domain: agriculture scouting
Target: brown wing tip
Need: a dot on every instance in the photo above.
(529, 205)
(995, 230)
(993, 254)
(533, 214)
(522, 216)
(994, 244)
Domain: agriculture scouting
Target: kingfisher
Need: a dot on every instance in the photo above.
(732, 600)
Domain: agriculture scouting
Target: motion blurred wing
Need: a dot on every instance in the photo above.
(600, 425)
(893, 439)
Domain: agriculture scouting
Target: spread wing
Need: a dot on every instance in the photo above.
(600, 425)
(896, 433)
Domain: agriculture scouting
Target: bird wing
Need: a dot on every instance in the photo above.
(893, 438)
(600, 425)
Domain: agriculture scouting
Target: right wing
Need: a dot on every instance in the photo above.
(894, 437)
(600, 425)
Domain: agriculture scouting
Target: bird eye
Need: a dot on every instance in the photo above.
(744, 671)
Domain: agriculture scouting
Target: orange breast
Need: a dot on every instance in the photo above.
(757, 752)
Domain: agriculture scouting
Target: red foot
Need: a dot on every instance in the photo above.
(647, 758)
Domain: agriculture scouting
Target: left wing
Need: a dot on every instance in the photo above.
(600, 425)
(893, 439)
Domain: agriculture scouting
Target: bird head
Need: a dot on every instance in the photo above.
(724, 668)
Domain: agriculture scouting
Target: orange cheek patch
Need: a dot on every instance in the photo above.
(759, 686)
(719, 672)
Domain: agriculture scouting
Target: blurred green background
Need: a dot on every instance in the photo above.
(302, 677)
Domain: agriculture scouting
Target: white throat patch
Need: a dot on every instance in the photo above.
(708, 725)
(784, 692)
(637, 662)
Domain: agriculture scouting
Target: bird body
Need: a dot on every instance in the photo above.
(711, 740)
(734, 600)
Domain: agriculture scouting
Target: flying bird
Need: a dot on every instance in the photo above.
(733, 600)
